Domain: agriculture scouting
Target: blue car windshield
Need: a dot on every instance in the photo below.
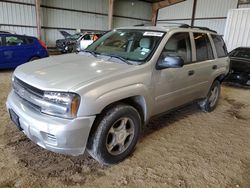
(129, 44)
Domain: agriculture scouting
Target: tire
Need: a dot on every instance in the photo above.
(212, 99)
(33, 59)
(116, 134)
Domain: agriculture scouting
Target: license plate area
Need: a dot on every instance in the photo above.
(14, 117)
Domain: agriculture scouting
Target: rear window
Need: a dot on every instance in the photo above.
(220, 46)
(203, 47)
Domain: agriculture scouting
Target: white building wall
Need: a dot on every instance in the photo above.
(244, 6)
(20, 18)
(128, 13)
(237, 31)
(209, 13)
(179, 11)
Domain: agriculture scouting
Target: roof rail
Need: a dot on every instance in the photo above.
(204, 28)
(182, 25)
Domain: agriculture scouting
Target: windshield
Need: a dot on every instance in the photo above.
(132, 45)
(75, 36)
(243, 53)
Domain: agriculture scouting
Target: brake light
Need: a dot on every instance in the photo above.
(42, 44)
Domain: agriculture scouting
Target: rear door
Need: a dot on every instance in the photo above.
(204, 64)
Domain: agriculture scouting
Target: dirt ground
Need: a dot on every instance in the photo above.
(187, 148)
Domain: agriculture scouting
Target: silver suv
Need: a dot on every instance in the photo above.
(101, 98)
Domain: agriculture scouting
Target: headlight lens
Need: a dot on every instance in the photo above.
(60, 104)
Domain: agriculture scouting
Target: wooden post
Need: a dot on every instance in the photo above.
(38, 19)
(110, 14)
(158, 5)
(193, 13)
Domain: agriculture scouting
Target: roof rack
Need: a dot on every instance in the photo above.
(204, 28)
(182, 25)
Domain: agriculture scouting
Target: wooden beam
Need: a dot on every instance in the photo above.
(110, 14)
(193, 13)
(158, 5)
(38, 19)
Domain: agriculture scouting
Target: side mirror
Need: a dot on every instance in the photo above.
(170, 62)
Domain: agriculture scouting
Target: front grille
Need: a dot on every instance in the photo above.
(27, 93)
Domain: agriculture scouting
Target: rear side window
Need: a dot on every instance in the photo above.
(15, 41)
(1, 41)
(179, 45)
(203, 47)
(219, 46)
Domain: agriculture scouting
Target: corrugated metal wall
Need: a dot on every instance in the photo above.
(179, 13)
(209, 13)
(213, 13)
(20, 18)
(237, 32)
(244, 6)
(128, 12)
(69, 15)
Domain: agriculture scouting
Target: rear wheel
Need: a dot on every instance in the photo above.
(211, 101)
(116, 135)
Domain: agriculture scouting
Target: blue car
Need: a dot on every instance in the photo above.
(18, 49)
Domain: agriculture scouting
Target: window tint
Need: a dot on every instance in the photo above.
(15, 41)
(179, 45)
(219, 46)
(203, 47)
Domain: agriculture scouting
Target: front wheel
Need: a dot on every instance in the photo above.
(211, 101)
(116, 134)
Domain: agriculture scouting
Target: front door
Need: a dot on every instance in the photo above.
(174, 86)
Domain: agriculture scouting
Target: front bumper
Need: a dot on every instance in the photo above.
(52, 133)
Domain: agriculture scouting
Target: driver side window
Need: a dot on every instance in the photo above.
(179, 45)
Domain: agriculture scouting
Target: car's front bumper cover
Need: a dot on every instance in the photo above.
(67, 136)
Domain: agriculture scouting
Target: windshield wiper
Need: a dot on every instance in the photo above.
(118, 57)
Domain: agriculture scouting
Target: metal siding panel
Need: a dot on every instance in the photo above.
(135, 9)
(162, 23)
(181, 10)
(244, 6)
(214, 8)
(237, 31)
(214, 24)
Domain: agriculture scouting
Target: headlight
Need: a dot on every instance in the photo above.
(60, 104)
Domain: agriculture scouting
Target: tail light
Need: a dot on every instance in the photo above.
(42, 44)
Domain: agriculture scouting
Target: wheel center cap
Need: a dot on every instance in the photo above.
(121, 136)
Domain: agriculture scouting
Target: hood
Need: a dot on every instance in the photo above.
(63, 72)
(65, 34)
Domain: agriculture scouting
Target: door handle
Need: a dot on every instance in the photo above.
(191, 72)
(214, 67)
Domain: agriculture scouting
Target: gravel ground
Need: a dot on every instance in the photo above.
(187, 148)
